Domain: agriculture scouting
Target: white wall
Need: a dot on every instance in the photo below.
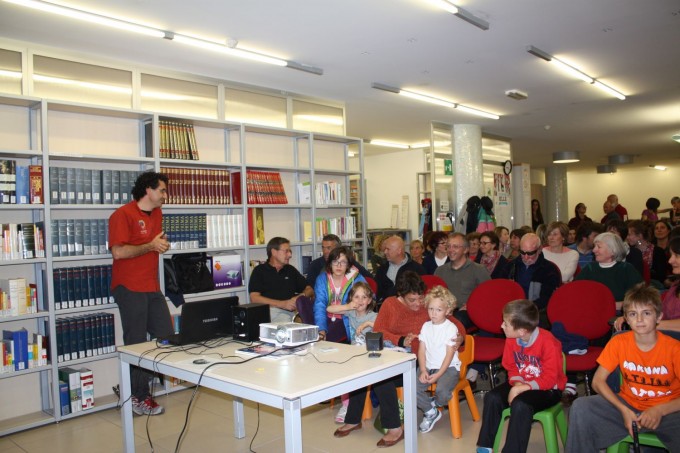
(388, 178)
(633, 187)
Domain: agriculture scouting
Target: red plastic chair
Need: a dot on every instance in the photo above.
(584, 307)
(373, 284)
(431, 281)
(485, 308)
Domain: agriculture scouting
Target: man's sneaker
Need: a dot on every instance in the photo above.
(429, 419)
(340, 416)
(146, 407)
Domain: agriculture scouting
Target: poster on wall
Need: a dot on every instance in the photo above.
(501, 200)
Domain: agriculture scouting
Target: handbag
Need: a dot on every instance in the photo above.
(187, 273)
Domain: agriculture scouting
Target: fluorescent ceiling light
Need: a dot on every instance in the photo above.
(434, 100)
(676, 137)
(462, 14)
(10, 74)
(658, 167)
(325, 119)
(80, 83)
(388, 144)
(566, 157)
(126, 25)
(574, 72)
(420, 145)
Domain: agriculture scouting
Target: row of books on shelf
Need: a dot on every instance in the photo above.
(17, 297)
(177, 140)
(20, 184)
(82, 286)
(22, 241)
(85, 336)
(262, 187)
(193, 231)
(76, 390)
(329, 193)
(343, 227)
(21, 351)
(75, 237)
(197, 186)
(91, 186)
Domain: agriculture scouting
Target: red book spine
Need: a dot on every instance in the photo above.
(235, 180)
(35, 181)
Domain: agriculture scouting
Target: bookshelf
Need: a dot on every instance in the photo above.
(76, 141)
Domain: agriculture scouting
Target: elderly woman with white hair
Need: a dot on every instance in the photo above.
(610, 267)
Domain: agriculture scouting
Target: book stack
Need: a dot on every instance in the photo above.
(74, 237)
(343, 227)
(197, 186)
(227, 271)
(76, 390)
(17, 298)
(82, 286)
(91, 186)
(14, 350)
(22, 241)
(224, 230)
(263, 187)
(85, 336)
(329, 193)
(37, 351)
(178, 140)
(185, 231)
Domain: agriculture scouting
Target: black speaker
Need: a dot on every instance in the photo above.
(374, 342)
(247, 320)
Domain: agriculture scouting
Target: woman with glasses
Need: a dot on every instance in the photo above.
(332, 288)
(653, 257)
(563, 257)
(490, 257)
(437, 244)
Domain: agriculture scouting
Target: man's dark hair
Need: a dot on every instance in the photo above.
(331, 237)
(586, 229)
(274, 244)
(619, 226)
(518, 233)
(409, 282)
(148, 179)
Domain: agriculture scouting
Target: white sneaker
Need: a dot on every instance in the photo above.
(471, 374)
(146, 407)
(340, 416)
(429, 419)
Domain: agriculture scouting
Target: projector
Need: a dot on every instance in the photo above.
(516, 95)
(288, 333)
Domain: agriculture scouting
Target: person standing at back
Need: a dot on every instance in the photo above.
(620, 210)
(136, 239)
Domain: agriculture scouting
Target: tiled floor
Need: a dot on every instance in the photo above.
(210, 429)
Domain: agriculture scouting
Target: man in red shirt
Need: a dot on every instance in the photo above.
(136, 239)
(620, 210)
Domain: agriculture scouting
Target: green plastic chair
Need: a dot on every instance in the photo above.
(648, 439)
(549, 418)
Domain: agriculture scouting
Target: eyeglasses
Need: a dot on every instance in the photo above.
(456, 246)
(441, 243)
(339, 263)
(484, 242)
(532, 253)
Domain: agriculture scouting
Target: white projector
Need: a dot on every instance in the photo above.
(288, 333)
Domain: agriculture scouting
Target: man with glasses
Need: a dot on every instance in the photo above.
(328, 243)
(398, 262)
(277, 283)
(461, 275)
(537, 276)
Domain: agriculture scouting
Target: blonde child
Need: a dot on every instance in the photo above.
(437, 356)
(359, 312)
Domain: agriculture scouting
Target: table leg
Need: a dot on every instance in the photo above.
(292, 424)
(239, 420)
(410, 410)
(126, 409)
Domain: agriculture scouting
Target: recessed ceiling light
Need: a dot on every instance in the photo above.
(658, 167)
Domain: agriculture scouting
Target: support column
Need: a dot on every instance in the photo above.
(521, 195)
(467, 162)
(556, 194)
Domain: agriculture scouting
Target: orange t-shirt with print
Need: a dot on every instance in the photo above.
(649, 378)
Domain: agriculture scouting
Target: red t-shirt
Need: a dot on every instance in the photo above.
(129, 225)
(649, 378)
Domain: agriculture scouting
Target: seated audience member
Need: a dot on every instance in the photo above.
(515, 237)
(378, 256)
(620, 210)
(417, 250)
(473, 245)
(675, 211)
(670, 322)
(609, 212)
(332, 288)
(461, 275)
(542, 233)
(579, 218)
(571, 238)
(398, 261)
(426, 243)
(490, 257)
(650, 392)
(533, 360)
(437, 243)
(277, 283)
(653, 257)
(585, 237)
(503, 240)
(662, 234)
(400, 320)
(557, 252)
(634, 256)
(537, 276)
(651, 212)
(316, 267)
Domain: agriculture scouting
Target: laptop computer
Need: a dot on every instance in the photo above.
(204, 320)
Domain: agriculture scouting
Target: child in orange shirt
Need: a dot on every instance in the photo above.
(650, 391)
